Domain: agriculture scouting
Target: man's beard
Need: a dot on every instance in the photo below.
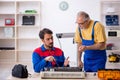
(51, 45)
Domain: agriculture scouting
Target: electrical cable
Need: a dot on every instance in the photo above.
(59, 43)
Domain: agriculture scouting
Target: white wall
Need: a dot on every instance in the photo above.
(64, 21)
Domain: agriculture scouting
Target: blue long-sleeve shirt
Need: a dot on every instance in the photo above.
(39, 54)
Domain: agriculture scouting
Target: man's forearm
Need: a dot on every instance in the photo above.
(95, 46)
(79, 54)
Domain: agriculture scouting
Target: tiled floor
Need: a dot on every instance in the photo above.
(7, 68)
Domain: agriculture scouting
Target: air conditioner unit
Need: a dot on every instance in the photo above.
(62, 75)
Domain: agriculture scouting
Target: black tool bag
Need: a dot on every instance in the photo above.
(20, 71)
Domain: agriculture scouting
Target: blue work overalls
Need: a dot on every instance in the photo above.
(93, 59)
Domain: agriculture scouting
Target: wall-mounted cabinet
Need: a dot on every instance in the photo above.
(20, 22)
(110, 17)
(110, 13)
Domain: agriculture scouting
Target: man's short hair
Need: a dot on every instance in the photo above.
(43, 32)
(84, 14)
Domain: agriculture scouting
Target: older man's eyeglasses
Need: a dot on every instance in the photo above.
(81, 23)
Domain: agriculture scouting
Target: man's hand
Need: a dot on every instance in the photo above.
(50, 58)
(81, 48)
(80, 64)
(66, 61)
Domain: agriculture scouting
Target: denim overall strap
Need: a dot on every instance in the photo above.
(92, 30)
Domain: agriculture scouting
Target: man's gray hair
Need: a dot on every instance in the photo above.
(84, 14)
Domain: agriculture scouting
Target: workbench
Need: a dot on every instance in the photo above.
(36, 76)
